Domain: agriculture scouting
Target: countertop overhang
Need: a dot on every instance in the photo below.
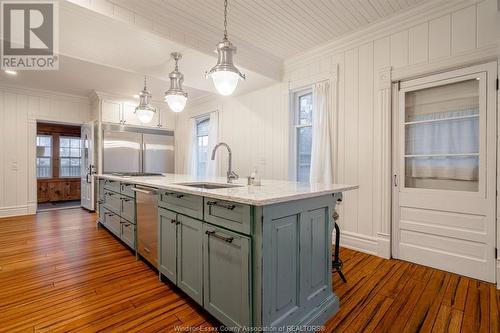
(270, 192)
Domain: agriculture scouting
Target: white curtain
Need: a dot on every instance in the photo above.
(448, 132)
(322, 134)
(213, 139)
(190, 168)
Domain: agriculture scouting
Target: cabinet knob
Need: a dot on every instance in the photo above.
(173, 221)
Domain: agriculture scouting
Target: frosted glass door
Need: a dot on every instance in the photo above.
(442, 137)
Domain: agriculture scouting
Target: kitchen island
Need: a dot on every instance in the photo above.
(252, 256)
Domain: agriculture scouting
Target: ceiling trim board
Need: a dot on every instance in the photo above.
(399, 22)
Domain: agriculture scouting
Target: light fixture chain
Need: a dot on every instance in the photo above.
(225, 19)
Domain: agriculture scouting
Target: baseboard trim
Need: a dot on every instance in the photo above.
(359, 242)
(384, 245)
(14, 211)
(498, 274)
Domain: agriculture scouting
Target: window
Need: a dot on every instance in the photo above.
(201, 146)
(69, 156)
(303, 134)
(44, 156)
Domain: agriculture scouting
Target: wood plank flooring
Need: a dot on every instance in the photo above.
(59, 273)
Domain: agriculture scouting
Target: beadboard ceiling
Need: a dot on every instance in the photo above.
(282, 28)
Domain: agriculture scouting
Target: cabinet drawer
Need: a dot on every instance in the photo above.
(186, 204)
(227, 214)
(112, 185)
(112, 201)
(112, 222)
(126, 189)
(128, 208)
(127, 233)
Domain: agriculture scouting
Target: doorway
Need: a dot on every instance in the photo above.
(444, 147)
(58, 166)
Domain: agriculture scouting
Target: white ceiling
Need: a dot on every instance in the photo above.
(282, 28)
(100, 50)
(78, 77)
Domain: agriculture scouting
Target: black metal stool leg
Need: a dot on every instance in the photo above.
(336, 262)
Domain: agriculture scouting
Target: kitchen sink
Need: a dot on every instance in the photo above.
(209, 186)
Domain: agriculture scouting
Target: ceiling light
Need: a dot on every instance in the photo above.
(175, 96)
(224, 74)
(10, 72)
(145, 111)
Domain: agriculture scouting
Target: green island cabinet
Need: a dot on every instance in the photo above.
(116, 206)
(250, 266)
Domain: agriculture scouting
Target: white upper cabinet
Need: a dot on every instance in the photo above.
(122, 112)
(129, 118)
(111, 111)
(167, 118)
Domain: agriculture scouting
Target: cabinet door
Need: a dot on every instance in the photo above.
(167, 256)
(189, 257)
(129, 118)
(167, 118)
(227, 276)
(111, 112)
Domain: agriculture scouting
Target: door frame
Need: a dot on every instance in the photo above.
(492, 152)
(32, 178)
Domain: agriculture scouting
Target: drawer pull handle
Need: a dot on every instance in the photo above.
(126, 199)
(100, 201)
(110, 194)
(147, 250)
(109, 214)
(215, 203)
(180, 196)
(213, 234)
(173, 221)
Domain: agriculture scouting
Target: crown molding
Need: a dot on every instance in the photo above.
(380, 29)
(17, 89)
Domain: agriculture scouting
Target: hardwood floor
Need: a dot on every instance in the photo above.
(59, 273)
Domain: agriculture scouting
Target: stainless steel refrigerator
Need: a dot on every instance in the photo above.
(137, 150)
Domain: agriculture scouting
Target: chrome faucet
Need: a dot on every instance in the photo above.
(231, 175)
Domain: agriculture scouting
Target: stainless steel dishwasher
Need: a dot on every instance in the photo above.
(147, 223)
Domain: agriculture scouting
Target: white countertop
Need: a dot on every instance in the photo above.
(270, 192)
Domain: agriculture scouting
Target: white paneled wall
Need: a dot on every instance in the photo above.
(255, 126)
(449, 37)
(19, 111)
(453, 34)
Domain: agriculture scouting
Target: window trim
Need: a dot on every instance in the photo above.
(51, 157)
(198, 121)
(294, 126)
(69, 158)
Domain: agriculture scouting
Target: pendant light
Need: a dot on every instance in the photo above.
(145, 111)
(224, 74)
(176, 97)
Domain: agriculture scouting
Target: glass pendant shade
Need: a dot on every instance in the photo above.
(145, 114)
(145, 111)
(175, 96)
(225, 82)
(176, 103)
(225, 74)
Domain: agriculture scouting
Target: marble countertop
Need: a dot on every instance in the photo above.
(270, 192)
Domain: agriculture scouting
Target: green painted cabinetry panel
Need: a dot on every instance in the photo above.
(128, 233)
(190, 256)
(227, 214)
(167, 234)
(227, 276)
(186, 204)
(128, 208)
